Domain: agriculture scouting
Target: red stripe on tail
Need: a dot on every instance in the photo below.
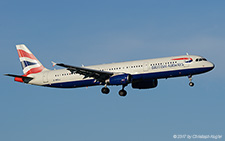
(23, 53)
(35, 70)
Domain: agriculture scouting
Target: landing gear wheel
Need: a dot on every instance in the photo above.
(190, 79)
(191, 84)
(105, 90)
(122, 93)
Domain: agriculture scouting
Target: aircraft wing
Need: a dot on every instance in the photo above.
(96, 74)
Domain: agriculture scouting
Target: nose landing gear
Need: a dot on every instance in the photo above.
(191, 84)
(190, 79)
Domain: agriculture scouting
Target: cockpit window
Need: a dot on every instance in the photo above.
(200, 59)
(204, 59)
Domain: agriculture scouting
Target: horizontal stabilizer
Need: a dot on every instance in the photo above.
(20, 78)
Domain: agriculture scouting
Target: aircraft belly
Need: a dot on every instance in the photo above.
(74, 84)
(169, 73)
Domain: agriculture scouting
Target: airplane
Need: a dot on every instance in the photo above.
(141, 74)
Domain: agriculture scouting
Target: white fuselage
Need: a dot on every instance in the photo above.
(143, 69)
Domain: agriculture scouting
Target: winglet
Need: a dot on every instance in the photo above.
(53, 63)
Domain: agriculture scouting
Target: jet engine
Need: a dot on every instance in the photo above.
(122, 79)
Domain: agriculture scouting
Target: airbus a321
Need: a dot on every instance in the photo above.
(141, 74)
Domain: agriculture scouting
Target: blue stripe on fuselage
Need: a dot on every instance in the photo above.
(155, 75)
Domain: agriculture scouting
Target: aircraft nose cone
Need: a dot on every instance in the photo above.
(212, 66)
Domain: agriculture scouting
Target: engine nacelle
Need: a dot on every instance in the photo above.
(145, 84)
(122, 79)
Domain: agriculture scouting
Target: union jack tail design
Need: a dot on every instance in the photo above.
(29, 62)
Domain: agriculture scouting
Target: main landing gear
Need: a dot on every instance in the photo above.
(190, 79)
(105, 90)
(123, 92)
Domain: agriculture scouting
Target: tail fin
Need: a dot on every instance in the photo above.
(29, 62)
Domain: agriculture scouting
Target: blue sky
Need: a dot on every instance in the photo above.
(97, 32)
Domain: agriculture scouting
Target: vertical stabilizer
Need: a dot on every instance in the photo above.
(29, 62)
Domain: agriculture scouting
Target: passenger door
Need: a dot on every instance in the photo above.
(146, 66)
(45, 77)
